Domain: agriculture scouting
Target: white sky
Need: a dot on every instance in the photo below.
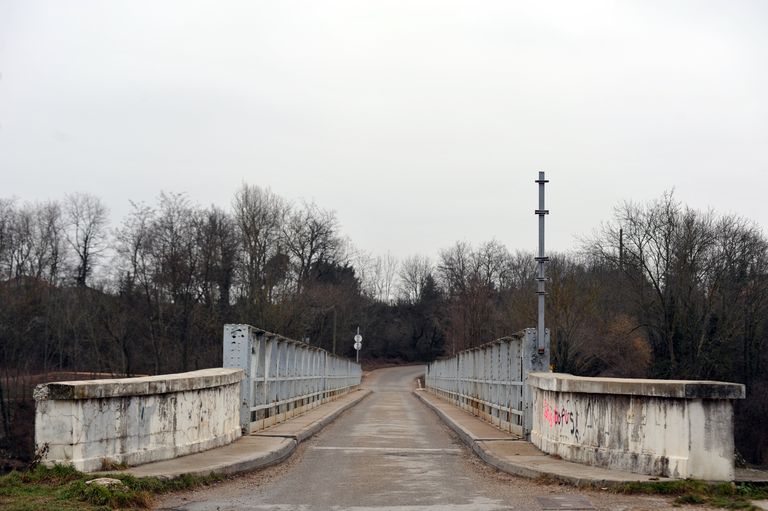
(420, 122)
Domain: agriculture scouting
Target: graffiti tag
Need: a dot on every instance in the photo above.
(562, 417)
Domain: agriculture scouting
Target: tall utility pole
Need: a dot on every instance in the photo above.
(541, 279)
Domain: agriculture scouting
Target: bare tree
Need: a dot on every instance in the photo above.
(133, 243)
(218, 244)
(31, 240)
(642, 243)
(385, 271)
(364, 265)
(259, 215)
(310, 235)
(455, 267)
(415, 272)
(679, 262)
(7, 213)
(86, 232)
(177, 256)
(22, 242)
(48, 246)
(137, 267)
(377, 275)
(572, 314)
(521, 271)
(490, 262)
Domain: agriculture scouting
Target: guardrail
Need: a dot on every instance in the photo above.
(489, 380)
(283, 377)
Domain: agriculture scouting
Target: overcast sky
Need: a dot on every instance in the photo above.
(420, 122)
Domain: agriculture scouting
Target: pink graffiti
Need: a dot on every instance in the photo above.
(556, 417)
(549, 416)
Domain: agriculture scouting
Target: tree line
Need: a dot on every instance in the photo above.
(661, 290)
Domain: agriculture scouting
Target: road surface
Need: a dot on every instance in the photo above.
(391, 452)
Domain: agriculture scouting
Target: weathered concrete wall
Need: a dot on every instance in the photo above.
(669, 428)
(137, 420)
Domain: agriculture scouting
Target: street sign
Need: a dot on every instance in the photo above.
(358, 344)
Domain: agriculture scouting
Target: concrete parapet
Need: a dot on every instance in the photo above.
(90, 424)
(668, 428)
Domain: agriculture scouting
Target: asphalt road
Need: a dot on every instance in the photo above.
(392, 452)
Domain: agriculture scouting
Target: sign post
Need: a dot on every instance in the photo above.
(358, 345)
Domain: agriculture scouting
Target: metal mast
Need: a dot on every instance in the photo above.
(541, 259)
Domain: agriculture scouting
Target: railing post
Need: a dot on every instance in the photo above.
(238, 347)
(325, 375)
(533, 361)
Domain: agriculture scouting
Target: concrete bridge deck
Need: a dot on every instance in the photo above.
(392, 452)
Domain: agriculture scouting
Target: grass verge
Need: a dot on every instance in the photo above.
(63, 488)
(723, 495)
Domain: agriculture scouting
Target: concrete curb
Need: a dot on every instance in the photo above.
(467, 438)
(480, 447)
(273, 457)
(315, 427)
(230, 459)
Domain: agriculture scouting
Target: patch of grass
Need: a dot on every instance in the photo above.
(112, 497)
(688, 491)
(63, 488)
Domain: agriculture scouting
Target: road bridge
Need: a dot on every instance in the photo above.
(392, 452)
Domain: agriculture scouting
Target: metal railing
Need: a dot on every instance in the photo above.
(283, 377)
(489, 380)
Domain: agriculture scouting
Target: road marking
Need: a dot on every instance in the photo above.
(404, 450)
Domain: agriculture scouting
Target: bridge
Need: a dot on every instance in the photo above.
(406, 438)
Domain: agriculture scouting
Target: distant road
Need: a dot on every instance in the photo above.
(389, 452)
